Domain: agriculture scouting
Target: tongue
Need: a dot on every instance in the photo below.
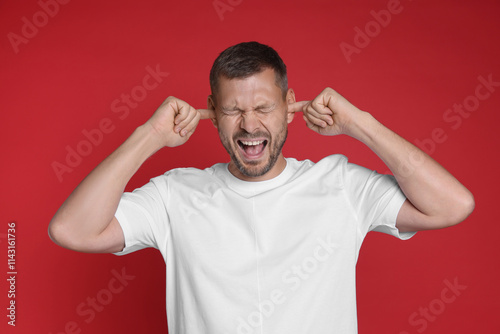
(254, 149)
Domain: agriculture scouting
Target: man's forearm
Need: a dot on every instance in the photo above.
(426, 184)
(85, 222)
(91, 207)
(436, 198)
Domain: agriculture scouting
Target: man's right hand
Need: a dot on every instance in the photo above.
(175, 121)
(86, 221)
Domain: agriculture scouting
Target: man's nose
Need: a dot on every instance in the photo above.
(249, 122)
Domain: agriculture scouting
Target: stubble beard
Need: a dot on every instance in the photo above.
(251, 168)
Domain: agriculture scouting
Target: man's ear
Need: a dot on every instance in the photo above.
(211, 106)
(290, 99)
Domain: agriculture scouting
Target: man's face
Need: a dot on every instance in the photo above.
(252, 120)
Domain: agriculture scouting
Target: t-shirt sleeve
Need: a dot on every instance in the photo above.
(143, 217)
(376, 199)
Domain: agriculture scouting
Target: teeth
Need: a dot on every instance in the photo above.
(252, 143)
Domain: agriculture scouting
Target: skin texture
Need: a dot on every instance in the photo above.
(435, 199)
(254, 108)
(85, 222)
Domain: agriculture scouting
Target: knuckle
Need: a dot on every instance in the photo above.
(170, 99)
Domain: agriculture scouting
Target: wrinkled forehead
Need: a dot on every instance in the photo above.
(249, 92)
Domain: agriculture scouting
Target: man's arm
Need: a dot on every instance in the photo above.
(435, 199)
(85, 222)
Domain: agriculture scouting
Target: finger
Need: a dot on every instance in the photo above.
(317, 121)
(182, 112)
(313, 114)
(310, 125)
(191, 126)
(321, 108)
(297, 106)
(206, 113)
(191, 115)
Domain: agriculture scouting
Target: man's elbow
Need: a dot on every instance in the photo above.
(470, 204)
(73, 237)
(462, 209)
(58, 234)
(62, 235)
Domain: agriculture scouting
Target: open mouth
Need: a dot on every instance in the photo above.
(252, 149)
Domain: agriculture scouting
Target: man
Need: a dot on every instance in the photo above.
(264, 243)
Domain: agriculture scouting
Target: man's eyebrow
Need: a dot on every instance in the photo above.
(266, 105)
(226, 108)
(259, 106)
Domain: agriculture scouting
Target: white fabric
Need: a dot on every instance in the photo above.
(268, 257)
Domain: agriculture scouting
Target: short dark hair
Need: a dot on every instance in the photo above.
(246, 59)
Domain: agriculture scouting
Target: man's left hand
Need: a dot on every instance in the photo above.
(328, 114)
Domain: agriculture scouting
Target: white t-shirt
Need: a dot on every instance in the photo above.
(276, 256)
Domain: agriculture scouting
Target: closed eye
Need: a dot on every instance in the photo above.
(230, 112)
(265, 109)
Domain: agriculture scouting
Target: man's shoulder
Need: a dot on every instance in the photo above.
(330, 161)
(191, 175)
(334, 159)
(327, 170)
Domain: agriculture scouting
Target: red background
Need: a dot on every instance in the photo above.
(64, 79)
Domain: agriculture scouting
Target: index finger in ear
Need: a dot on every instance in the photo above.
(206, 113)
(297, 106)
